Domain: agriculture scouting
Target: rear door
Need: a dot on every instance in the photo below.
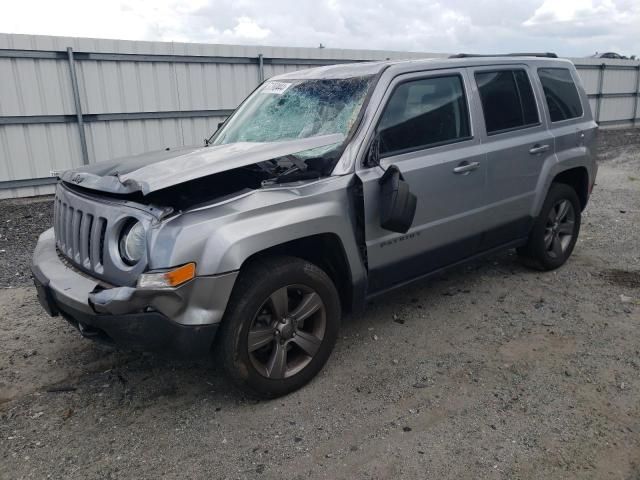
(424, 125)
(517, 143)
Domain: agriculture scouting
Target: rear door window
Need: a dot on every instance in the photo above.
(424, 113)
(560, 93)
(507, 100)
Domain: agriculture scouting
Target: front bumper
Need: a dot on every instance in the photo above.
(180, 320)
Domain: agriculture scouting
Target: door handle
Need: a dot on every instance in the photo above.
(538, 149)
(466, 167)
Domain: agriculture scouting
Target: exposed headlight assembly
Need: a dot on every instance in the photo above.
(133, 242)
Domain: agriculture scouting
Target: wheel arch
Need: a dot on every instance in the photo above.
(578, 179)
(327, 251)
(574, 175)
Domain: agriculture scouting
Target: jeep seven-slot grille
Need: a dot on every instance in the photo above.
(79, 235)
(86, 227)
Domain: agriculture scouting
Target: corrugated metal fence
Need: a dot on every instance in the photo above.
(68, 101)
(613, 87)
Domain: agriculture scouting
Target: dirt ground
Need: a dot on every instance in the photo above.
(490, 371)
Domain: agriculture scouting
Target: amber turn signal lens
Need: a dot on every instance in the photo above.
(171, 278)
(180, 275)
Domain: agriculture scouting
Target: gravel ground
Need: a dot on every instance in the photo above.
(490, 371)
(21, 221)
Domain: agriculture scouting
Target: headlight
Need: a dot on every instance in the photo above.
(132, 242)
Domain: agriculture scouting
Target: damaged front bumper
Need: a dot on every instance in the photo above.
(181, 320)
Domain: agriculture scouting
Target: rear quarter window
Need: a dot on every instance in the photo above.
(561, 94)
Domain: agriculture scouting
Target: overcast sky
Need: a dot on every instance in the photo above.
(568, 27)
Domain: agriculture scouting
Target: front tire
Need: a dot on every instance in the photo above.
(280, 326)
(555, 231)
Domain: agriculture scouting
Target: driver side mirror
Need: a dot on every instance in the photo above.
(397, 203)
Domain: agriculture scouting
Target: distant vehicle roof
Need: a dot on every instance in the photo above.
(349, 70)
(609, 55)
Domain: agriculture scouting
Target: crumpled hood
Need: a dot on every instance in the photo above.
(154, 171)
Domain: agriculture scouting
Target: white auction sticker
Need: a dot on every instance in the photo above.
(277, 88)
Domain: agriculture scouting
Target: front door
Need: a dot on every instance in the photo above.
(425, 129)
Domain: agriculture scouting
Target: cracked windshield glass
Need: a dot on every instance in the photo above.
(288, 110)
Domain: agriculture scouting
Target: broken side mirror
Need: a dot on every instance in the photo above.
(397, 203)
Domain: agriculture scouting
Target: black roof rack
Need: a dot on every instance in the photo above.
(524, 54)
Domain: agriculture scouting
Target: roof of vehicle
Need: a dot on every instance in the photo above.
(349, 70)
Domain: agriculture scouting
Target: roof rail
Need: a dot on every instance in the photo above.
(524, 54)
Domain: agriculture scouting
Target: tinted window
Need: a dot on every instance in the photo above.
(507, 100)
(529, 108)
(561, 93)
(423, 113)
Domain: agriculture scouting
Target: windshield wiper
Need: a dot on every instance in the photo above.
(296, 170)
(294, 176)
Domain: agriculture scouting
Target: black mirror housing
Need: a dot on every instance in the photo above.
(397, 203)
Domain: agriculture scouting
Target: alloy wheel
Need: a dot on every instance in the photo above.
(559, 229)
(287, 331)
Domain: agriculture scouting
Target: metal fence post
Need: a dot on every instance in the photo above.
(636, 99)
(260, 68)
(76, 101)
(600, 91)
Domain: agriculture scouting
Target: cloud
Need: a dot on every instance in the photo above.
(602, 24)
(570, 27)
(247, 28)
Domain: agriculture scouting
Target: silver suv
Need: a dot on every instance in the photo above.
(325, 187)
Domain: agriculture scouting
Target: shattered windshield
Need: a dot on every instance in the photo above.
(293, 109)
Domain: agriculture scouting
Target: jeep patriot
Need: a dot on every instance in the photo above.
(324, 188)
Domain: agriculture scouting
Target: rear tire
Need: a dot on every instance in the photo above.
(280, 326)
(555, 231)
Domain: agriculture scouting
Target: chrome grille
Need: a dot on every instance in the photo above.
(80, 235)
(87, 229)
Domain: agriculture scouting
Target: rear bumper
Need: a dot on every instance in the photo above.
(181, 320)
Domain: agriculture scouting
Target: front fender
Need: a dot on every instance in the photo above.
(221, 237)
